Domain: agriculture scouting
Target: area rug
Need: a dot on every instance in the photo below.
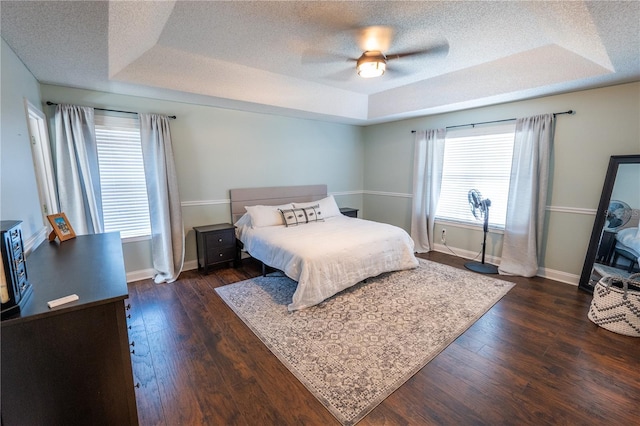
(356, 348)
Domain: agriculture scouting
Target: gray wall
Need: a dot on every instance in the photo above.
(18, 190)
(606, 123)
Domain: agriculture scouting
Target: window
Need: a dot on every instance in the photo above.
(124, 190)
(477, 158)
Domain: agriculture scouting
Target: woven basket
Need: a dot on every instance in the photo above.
(616, 305)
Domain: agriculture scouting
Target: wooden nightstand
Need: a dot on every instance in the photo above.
(605, 250)
(348, 211)
(216, 244)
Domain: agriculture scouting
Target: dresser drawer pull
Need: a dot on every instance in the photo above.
(220, 240)
(132, 343)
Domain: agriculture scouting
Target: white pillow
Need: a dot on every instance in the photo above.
(266, 215)
(245, 220)
(327, 206)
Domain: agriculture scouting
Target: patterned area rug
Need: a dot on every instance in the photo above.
(356, 348)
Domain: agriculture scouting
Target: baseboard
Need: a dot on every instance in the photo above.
(145, 274)
(552, 274)
(190, 265)
(563, 277)
(466, 254)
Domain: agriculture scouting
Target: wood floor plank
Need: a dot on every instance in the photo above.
(533, 359)
(149, 404)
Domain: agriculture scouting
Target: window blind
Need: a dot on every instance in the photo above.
(124, 190)
(477, 158)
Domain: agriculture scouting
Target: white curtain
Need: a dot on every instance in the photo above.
(527, 195)
(167, 230)
(427, 180)
(77, 171)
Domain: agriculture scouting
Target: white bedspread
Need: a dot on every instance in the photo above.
(327, 257)
(630, 238)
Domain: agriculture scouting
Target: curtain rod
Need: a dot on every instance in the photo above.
(112, 110)
(570, 112)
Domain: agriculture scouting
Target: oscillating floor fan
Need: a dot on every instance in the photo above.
(480, 210)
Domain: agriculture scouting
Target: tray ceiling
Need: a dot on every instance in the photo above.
(291, 57)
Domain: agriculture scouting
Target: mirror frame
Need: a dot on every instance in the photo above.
(601, 215)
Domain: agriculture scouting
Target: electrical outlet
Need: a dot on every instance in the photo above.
(443, 238)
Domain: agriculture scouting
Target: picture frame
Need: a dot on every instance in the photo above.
(61, 227)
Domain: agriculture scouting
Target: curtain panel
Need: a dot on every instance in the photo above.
(527, 201)
(167, 229)
(427, 180)
(76, 168)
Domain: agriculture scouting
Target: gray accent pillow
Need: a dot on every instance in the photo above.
(293, 217)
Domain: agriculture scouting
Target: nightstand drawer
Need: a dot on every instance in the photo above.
(215, 255)
(221, 239)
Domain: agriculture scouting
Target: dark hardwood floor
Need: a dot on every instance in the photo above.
(534, 358)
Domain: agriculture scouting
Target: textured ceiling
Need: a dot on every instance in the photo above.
(293, 57)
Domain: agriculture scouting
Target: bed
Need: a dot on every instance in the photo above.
(300, 231)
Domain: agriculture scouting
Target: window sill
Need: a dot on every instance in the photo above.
(135, 239)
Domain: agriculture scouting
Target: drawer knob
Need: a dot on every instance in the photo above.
(219, 240)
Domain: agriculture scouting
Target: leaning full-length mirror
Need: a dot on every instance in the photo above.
(614, 247)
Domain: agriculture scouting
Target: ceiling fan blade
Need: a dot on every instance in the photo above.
(317, 56)
(377, 37)
(438, 49)
(342, 75)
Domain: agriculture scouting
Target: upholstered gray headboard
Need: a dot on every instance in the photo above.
(273, 196)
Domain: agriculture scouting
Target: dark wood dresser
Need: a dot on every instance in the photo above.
(70, 365)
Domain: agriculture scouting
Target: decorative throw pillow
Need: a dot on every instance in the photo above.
(293, 217)
(314, 214)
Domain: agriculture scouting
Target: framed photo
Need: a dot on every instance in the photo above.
(61, 227)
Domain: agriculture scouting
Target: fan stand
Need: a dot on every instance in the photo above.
(483, 268)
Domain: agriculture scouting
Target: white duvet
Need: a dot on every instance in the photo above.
(630, 237)
(327, 257)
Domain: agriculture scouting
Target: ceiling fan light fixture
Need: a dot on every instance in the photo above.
(371, 64)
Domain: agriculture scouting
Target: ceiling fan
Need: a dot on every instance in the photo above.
(375, 41)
